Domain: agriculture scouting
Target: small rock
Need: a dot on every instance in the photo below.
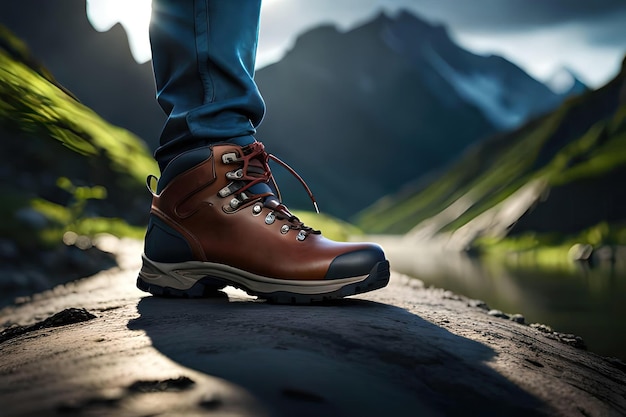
(169, 385)
(68, 316)
(478, 303)
(518, 318)
(571, 339)
(498, 313)
(449, 295)
(580, 252)
(542, 327)
(63, 318)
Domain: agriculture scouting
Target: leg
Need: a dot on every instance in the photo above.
(203, 59)
(215, 220)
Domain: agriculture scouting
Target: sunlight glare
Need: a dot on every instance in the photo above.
(134, 16)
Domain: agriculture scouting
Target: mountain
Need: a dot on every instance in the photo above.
(363, 113)
(359, 114)
(561, 176)
(97, 67)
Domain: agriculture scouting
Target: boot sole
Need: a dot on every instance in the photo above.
(196, 279)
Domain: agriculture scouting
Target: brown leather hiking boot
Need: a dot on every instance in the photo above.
(231, 236)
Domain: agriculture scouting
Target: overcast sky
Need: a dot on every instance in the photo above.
(587, 36)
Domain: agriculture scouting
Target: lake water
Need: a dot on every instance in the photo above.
(588, 302)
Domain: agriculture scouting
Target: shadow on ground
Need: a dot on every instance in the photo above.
(353, 357)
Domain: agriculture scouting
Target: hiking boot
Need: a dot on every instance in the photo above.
(219, 223)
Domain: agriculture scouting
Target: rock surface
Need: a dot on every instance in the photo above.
(405, 350)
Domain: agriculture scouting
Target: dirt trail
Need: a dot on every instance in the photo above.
(402, 351)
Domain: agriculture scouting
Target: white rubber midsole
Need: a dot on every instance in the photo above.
(184, 275)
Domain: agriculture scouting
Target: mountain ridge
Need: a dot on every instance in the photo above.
(571, 161)
(370, 104)
(359, 113)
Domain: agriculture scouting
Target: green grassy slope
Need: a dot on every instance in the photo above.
(33, 103)
(61, 161)
(583, 139)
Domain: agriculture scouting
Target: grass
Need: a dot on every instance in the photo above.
(34, 106)
(551, 251)
(109, 163)
(331, 227)
(583, 139)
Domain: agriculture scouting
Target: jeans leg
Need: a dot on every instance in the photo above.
(203, 55)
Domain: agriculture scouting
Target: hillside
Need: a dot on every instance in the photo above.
(560, 174)
(97, 67)
(362, 113)
(380, 105)
(64, 169)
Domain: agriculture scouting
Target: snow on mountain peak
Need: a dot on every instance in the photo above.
(484, 91)
(563, 81)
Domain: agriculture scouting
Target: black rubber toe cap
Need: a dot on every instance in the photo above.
(355, 263)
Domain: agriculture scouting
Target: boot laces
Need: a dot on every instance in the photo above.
(254, 170)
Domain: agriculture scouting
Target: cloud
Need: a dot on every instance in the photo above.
(509, 15)
(609, 30)
(589, 36)
(541, 36)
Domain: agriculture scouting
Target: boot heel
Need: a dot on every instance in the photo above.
(205, 288)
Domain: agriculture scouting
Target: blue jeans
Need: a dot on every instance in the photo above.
(203, 55)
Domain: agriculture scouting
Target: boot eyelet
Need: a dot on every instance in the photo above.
(235, 175)
(229, 157)
(269, 219)
(234, 203)
(224, 192)
(229, 189)
(301, 236)
(256, 209)
(284, 229)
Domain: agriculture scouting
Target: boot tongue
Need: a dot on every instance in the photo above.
(255, 167)
(263, 188)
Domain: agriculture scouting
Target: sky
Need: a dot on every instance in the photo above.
(541, 36)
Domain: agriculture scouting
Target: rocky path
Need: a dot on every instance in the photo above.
(401, 351)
